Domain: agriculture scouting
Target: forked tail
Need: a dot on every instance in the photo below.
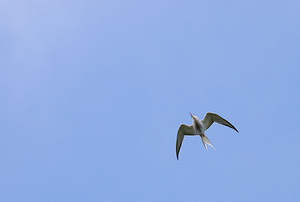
(206, 141)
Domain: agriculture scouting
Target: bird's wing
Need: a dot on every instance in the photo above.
(210, 118)
(183, 130)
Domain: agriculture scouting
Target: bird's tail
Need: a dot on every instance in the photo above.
(206, 141)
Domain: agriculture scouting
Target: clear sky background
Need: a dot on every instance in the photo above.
(92, 94)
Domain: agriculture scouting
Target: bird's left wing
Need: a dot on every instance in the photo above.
(183, 130)
(210, 118)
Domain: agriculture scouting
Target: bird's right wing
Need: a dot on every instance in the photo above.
(183, 130)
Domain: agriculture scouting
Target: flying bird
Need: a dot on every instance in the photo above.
(199, 127)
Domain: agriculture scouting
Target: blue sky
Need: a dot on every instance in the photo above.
(93, 93)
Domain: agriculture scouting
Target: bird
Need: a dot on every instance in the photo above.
(198, 128)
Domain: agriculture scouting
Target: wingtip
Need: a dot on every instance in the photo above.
(235, 129)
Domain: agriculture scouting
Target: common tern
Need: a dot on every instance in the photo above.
(199, 127)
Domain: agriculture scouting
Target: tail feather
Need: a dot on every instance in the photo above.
(206, 141)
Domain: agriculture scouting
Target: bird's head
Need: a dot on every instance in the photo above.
(194, 117)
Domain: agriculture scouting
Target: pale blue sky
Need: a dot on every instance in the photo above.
(93, 92)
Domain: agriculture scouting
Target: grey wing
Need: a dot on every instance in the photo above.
(183, 130)
(210, 118)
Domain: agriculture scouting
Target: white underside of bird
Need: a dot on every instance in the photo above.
(198, 128)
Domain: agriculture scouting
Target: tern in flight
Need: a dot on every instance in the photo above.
(199, 127)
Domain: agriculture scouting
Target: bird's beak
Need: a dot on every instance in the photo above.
(191, 114)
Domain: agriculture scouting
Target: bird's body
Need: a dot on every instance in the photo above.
(198, 128)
